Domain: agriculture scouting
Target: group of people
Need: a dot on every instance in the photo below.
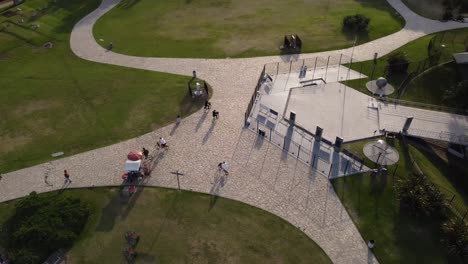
(208, 107)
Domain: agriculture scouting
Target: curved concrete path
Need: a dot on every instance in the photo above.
(260, 174)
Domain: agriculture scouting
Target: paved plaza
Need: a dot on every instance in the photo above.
(261, 174)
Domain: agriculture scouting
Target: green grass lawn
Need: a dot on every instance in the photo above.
(371, 202)
(184, 227)
(437, 81)
(432, 9)
(241, 28)
(50, 100)
(424, 91)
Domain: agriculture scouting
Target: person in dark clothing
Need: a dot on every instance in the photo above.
(145, 153)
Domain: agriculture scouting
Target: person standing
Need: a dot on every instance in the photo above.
(178, 119)
(215, 114)
(67, 177)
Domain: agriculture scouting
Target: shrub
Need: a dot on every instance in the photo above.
(356, 23)
(397, 63)
(457, 96)
(421, 197)
(43, 224)
(448, 14)
(456, 239)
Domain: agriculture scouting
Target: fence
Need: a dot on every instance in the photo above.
(312, 65)
(254, 96)
(439, 108)
(456, 203)
(301, 144)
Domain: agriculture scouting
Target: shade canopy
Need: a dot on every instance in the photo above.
(135, 155)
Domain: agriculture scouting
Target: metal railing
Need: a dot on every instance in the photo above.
(320, 159)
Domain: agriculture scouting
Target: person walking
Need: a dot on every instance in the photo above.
(215, 114)
(207, 105)
(67, 177)
(145, 152)
(224, 166)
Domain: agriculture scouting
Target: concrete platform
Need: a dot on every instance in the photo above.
(339, 110)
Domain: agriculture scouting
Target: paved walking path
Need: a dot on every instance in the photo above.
(261, 175)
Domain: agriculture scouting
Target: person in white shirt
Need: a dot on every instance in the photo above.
(162, 142)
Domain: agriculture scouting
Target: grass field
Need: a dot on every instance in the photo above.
(432, 9)
(185, 227)
(371, 202)
(241, 28)
(52, 101)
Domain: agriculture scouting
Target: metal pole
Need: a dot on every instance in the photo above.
(349, 69)
(380, 153)
(315, 65)
(277, 68)
(326, 69)
(339, 66)
(298, 151)
(372, 74)
(178, 181)
(394, 171)
(270, 135)
(331, 167)
(360, 72)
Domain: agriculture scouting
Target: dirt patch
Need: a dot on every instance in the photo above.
(34, 106)
(202, 250)
(9, 143)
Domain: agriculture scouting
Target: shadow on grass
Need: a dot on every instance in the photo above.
(118, 208)
(127, 3)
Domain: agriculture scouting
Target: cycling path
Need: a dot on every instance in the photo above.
(260, 174)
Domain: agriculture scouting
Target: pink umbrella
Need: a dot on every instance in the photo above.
(135, 155)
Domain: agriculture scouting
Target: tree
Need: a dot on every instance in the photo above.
(457, 96)
(421, 197)
(397, 63)
(456, 238)
(356, 23)
(43, 224)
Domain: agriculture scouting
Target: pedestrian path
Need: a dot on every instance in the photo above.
(260, 175)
